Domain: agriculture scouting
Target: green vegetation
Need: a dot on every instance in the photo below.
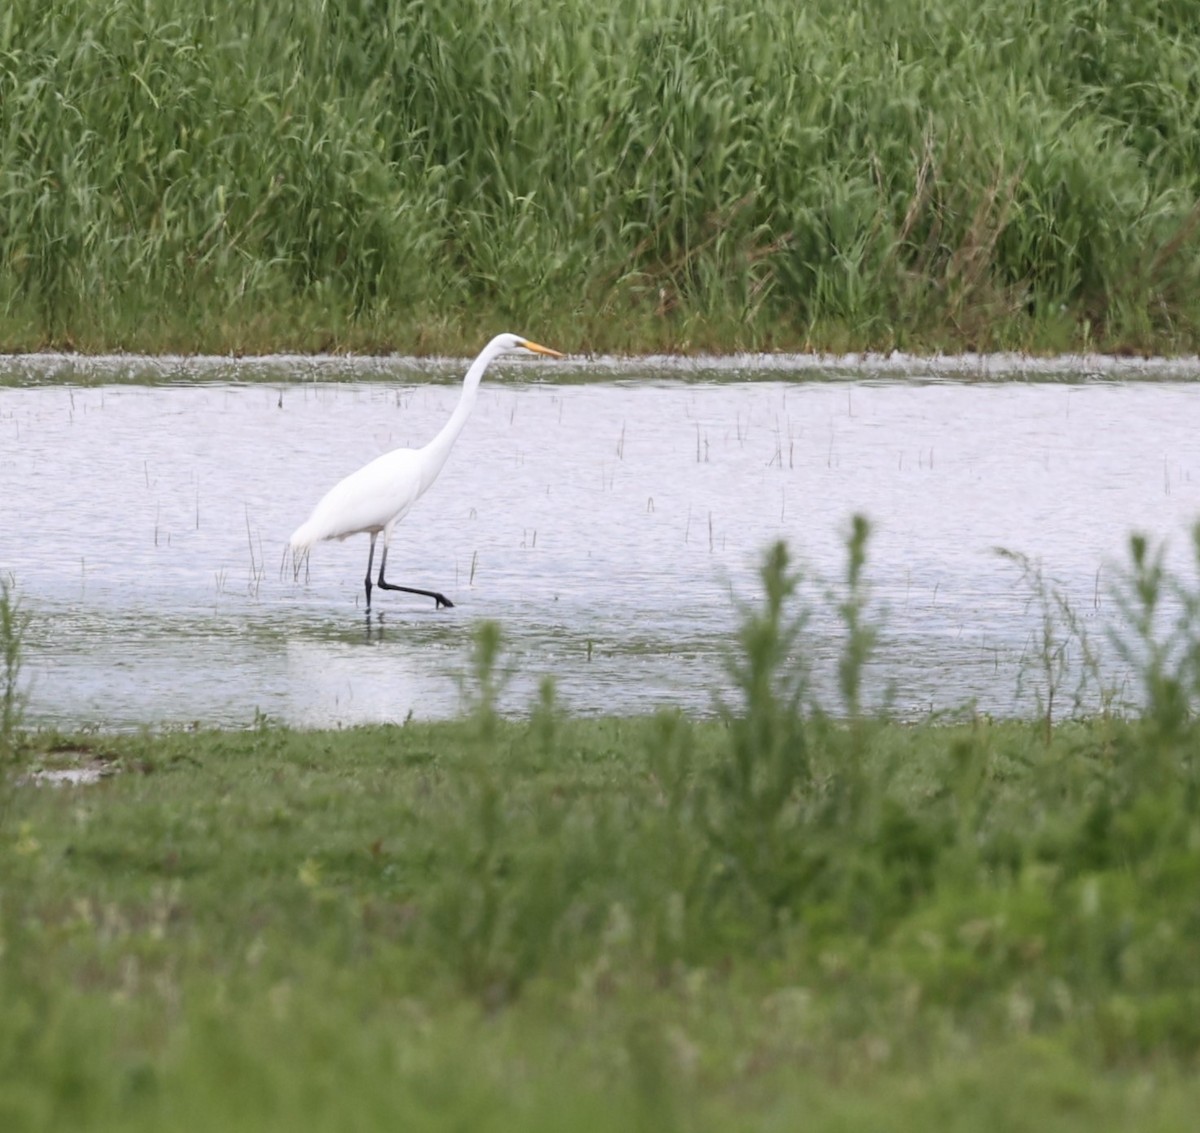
(14, 623)
(615, 174)
(786, 912)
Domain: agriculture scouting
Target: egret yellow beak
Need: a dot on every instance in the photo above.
(538, 349)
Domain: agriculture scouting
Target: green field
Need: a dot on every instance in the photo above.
(783, 915)
(623, 175)
(587, 928)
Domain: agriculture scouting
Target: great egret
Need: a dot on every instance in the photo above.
(376, 497)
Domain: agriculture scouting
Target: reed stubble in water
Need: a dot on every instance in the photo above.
(629, 174)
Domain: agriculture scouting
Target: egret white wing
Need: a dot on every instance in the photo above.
(368, 500)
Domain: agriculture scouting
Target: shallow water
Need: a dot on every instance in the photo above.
(607, 522)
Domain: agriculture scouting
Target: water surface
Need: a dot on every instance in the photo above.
(607, 519)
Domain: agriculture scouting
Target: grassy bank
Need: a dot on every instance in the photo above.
(658, 923)
(587, 926)
(620, 175)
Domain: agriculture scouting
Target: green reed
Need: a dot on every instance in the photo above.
(628, 174)
(14, 627)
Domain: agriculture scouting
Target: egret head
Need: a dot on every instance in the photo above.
(505, 342)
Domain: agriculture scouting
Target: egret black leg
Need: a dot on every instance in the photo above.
(439, 599)
(370, 560)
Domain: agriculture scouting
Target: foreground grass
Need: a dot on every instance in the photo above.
(769, 916)
(585, 924)
(623, 175)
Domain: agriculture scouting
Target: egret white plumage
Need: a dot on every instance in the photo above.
(375, 498)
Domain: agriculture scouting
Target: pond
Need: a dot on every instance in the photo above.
(611, 517)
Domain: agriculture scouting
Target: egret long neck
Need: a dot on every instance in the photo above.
(438, 449)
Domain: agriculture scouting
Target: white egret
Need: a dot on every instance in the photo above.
(376, 497)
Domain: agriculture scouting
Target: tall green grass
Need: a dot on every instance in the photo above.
(620, 174)
(14, 626)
